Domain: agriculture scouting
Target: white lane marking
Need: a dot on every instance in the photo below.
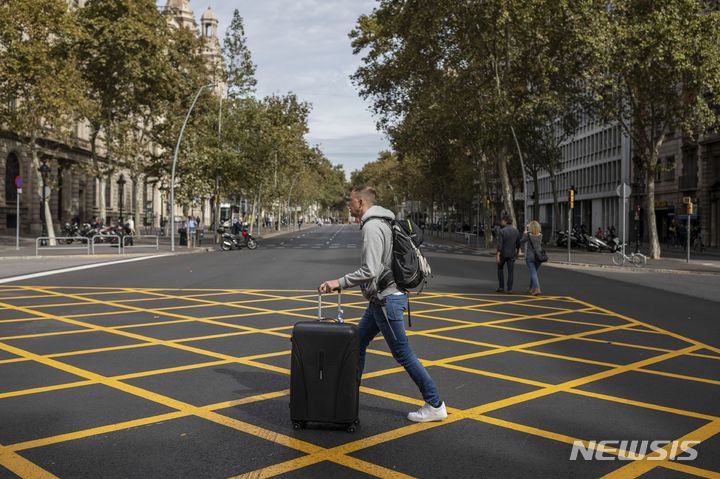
(76, 268)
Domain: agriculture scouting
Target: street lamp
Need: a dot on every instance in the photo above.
(44, 170)
(172, 180)
(638, 187)
(121, 196)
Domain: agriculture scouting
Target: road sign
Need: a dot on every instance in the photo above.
(624, 191)
(18, 182)
(687, 200)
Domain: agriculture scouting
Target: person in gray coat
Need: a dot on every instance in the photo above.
(387, 305)
(533, 237)
(508, 247)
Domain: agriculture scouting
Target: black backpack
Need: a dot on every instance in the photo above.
(408, 267)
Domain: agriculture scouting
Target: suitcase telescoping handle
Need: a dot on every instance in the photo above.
(339, 307)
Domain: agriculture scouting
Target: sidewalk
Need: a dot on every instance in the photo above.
(27, 246)
(673, 260)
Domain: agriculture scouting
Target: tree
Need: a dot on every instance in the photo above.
(660, 72)
(124, 47)
(502, 60)
(40, 89)
(240, 70)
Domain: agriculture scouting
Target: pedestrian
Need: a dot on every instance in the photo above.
(508, 246)
(671, 234)
(191, 228)
(533, 237)
(387, 304)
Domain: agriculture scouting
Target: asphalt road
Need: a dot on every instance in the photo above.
(177, 367)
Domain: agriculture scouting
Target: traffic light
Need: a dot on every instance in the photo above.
(690, 208)
(571, 197)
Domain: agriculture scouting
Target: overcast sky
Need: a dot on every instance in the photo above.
(302, 46)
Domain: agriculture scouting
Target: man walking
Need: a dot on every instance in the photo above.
(384, 313)
(508, 247)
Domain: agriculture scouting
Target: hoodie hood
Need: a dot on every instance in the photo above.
(376, 210)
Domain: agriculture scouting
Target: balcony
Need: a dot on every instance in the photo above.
(688, 182)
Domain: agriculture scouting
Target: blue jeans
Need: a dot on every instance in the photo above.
(374, 321)
(534, 267)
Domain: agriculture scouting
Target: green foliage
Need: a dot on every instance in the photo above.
(39, 84)
(240, 70)
(448, 78)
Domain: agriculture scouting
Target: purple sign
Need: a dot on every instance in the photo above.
(18, 182)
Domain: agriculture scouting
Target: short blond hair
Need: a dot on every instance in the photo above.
(534, 228)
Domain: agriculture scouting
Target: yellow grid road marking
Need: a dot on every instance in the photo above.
(381, 472)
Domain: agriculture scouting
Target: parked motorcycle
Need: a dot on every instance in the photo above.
(70, 231)
(230, 241)
(611, 244)
(562, 240)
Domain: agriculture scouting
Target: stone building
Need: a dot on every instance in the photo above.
(71, 192)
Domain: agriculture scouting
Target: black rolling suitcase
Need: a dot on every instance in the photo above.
(324, 372)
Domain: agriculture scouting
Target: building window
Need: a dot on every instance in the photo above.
(12, 169)
(668, 169)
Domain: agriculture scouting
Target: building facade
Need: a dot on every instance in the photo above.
(71, 192)
(595, 161)
(598, 159)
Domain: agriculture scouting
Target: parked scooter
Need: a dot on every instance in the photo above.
(230, 241)
(611, 244)
(562, 240)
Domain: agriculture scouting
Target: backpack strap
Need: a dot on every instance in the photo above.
(387, 220)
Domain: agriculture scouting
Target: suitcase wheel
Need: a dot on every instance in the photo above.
(297, 425)
(351, 428)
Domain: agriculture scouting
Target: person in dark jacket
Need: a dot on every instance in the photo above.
(533, 237)
(508, 247)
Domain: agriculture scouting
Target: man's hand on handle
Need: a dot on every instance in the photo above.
(329, 286)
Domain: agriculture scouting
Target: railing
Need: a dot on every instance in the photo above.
(109, 241)
(134, 245)
(62, 244)
(94, 242)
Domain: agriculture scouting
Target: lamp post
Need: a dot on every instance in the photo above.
(44, 170)
(638, 187)
(121, 196)
(172, 180)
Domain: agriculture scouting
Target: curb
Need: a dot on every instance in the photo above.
(631, 269)
(574, 265)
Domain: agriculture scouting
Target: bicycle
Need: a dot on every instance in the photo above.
(636, 259)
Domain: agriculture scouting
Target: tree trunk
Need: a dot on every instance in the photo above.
(46, 204)
(506, 186)
(650, 210)
(102, 205)
(536, 192)
(487, 213)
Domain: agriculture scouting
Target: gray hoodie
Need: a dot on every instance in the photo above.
(375, 256)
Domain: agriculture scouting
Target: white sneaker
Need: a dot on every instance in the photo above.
(428, 413)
